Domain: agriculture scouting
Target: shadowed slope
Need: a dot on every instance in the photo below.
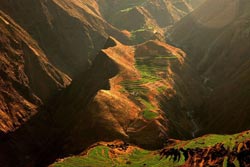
(217, 40)
(144, 77)
(144, 19)
(27, 78)
(49, 131)
(71, 33)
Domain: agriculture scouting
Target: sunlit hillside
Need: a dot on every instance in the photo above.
(101, 83)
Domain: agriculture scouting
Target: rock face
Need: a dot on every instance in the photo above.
(27, 77)
(217, 38)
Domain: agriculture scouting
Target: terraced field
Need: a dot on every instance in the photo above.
(136, 157)
(149, 69)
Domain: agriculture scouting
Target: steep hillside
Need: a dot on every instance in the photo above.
(74, 73)
(217, 40)
(147, 89)
(56, 24)
(27, 78)
(211, 150)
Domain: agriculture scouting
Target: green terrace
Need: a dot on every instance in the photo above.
(165, 57)
(148, 110)
(136, 34)
(139, 157)
(148, 68)
(132, 5)
(98, 156)
(126, 10)
(211, 140)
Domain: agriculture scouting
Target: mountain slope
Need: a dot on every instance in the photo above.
(144, 81)
(144, 19)
(229, 150)
(218, 45)
(27, 77)
(132, 86)
(55, 24)
(145, 85)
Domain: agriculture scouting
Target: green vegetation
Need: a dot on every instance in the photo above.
(130, 5)
(98, 156)
(147, 112)
(134, 87)
(161, 89)
(165, 57)
(138, 37)
(211, 140)
(136, 158)
(148, 73)
(126, 10)
(149, 69)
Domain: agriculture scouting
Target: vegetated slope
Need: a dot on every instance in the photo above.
(141, 94)
(65, 117)
(27, 78)
(144, 19)
(147, 85)
(210, 150)
(70, 32)
(145, 88)
(216, 36)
